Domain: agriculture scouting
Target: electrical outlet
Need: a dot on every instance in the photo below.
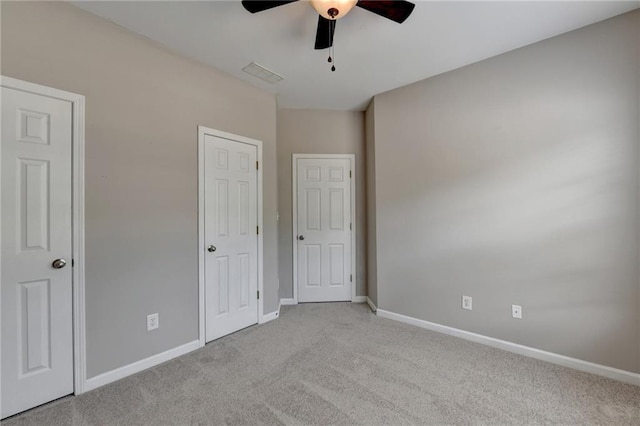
(467, 303)
(516, 311)
(153, 322)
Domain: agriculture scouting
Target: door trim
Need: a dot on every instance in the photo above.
(202, 132)
(78, 274)
(294, 215)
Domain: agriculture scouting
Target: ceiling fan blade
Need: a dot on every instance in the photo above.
(324, 33)
(395, 10)
(254, 6)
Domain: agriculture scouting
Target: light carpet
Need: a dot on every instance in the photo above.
(339, 364)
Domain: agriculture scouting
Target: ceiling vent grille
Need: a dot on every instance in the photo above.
(262, 73)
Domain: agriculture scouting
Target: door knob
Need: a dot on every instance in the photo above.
(59, 263)
(301, 237)
(211, 249)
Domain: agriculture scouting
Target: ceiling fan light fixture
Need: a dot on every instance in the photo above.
(333, 9)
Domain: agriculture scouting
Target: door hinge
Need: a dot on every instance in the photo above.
(257, 230)
(73, 263)
(350, 278)
(351, 226)
(257, 167)
(258, 294)
(349, 174)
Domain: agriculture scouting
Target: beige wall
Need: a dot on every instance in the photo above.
(318, 132)
(143, 106)
(372, 252)
(515, 181)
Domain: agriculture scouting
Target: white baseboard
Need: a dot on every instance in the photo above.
(359, 299)
(577, 364)
(284, 302)
(269, 317)
(143, 364)
(371, 304)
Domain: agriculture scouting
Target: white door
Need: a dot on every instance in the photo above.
(37, 345)
(324, 229)
(231, 228)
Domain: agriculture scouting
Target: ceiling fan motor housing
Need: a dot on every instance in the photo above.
(332, 10)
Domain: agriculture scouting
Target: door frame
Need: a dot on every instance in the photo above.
(202, 132)
(77, 217)
(294, 214)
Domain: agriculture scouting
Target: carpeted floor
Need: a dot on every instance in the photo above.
(340, 364)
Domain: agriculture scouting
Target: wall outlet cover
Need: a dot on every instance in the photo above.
(153, 322)
(516, 311)
(467, 303)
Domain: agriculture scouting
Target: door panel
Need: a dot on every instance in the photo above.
(336, 209)
(324, 235)
(336, 265)
(33, 325)
(37, 345)
(312, 196)
(231, 271)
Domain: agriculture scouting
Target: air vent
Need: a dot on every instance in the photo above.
(262, 73)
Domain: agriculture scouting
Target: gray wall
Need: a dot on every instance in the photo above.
(143, 106)
(637, 15)
(319, 132)
(515, 181)
(372, 252)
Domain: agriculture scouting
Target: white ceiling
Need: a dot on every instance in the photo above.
(373, 54)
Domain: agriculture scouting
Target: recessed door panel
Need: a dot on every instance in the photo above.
(32, 126)
(336, 264)
(313, 254)
(312, 174)
(37, 328)
(222, 159)
(313, 209)
(223, 284)
(33, 326)
(323, 211)
(222, 195)
(33, 193)
(244, 278)
(336, 209)
(244, 208)
(243, 162)
(336, 174)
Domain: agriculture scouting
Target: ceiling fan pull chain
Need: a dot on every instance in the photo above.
(332, 58)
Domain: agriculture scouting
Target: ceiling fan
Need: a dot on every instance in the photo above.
(330, 10)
